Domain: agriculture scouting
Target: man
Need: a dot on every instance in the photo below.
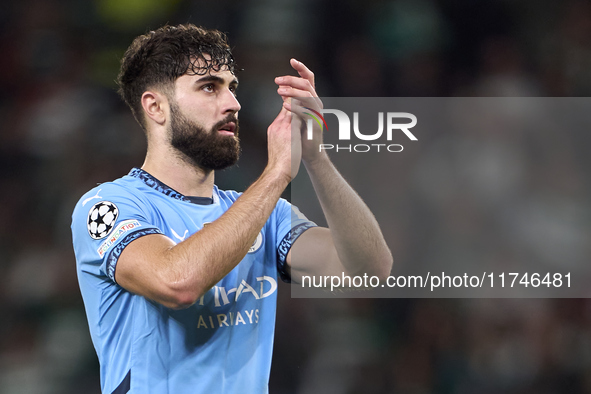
(178, 277)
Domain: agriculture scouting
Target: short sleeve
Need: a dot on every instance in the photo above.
(104, 222)
(291, 223)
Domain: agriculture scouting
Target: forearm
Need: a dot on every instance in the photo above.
(198, 263)
(356, 234)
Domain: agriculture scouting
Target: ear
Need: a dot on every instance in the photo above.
(155, 106)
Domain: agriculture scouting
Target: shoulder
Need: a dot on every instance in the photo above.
(108, 201)
(120, 189)
(106, 215)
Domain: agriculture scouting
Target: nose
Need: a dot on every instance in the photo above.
(231, 103)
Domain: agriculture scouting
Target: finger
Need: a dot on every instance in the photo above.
(305, 113)
(289, 103)
(289, 91)
(304, 96)
(297, 108)
(302, 111)
(295, 82)
(303, 70)
(301, 106)
(283, 116)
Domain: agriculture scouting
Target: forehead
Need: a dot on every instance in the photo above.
(223, 76)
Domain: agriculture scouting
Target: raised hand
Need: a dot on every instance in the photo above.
(283, 145)
(300, 98)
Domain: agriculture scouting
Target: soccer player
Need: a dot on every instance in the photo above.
(179, 278)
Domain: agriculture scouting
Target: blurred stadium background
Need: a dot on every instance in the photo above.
(64, 129)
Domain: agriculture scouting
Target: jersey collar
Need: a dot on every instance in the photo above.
(155, 184)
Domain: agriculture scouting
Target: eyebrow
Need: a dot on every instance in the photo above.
(215, 78)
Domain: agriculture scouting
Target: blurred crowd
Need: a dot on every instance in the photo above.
(64, 129)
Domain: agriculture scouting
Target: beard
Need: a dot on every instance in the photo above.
(207, 149)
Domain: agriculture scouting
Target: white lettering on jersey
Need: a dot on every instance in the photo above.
(249, 315)
(245, 288)
(221, 296)
(273, 283)
(122, 228)
(239, 318)
(229, 319)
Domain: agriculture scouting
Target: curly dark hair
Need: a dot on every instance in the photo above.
(158, 58)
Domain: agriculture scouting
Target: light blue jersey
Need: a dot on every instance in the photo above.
(223, 343)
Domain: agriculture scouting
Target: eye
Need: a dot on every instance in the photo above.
(208, 87)
(234, 89)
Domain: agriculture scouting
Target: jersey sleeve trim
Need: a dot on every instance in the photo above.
(117, 250)
(285, 247)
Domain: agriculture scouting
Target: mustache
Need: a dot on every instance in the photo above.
(227, 119)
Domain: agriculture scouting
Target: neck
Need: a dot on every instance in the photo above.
(178, 173)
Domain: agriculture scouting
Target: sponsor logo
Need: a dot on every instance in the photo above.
(223, 296)
(247, 317)
(122, 228)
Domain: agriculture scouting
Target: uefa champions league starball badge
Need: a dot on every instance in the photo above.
(101, 219)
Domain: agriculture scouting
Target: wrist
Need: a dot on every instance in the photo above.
(318, 160)
(275, 177)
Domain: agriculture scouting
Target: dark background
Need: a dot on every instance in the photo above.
(64, 130)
